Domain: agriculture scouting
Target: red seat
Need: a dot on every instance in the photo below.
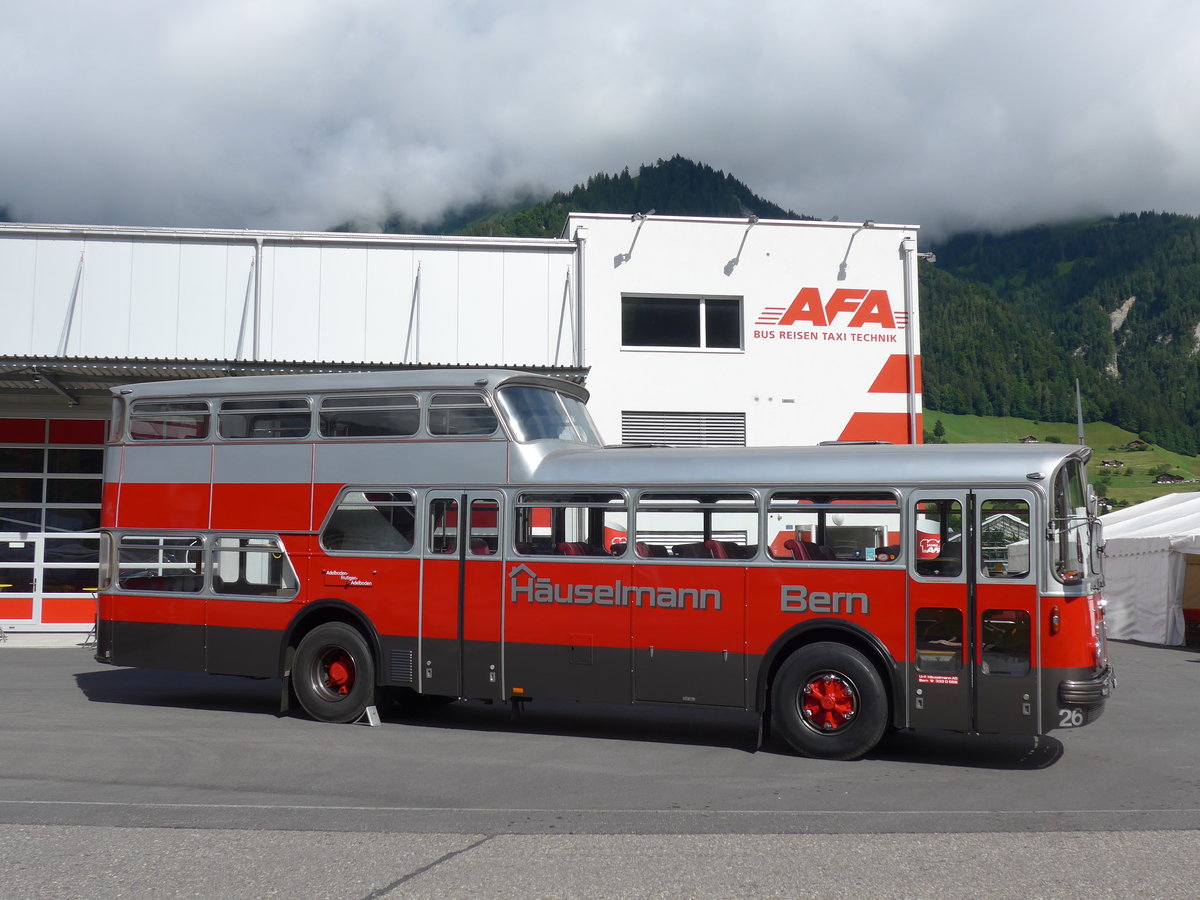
(567, 548)
(716, 549)
(804, 550)
(479, 547)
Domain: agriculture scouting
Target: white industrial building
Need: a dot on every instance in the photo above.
(687, 331)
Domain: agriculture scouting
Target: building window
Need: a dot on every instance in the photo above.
(707, 323)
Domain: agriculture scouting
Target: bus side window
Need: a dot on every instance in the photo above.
(1006, 642)
(443, 526)
(938, 533)
(939, 640)
(697, 525)
(841, 527)
(570, 524)
(1004, 544)
(255, 567)
(371, 522)
(484, 538)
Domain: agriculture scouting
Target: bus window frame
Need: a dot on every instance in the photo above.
(531, 498)
(251, 412)
(853, 500)
(414, 504)
(213, 549)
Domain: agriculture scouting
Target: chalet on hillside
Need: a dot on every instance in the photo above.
(1168, 478)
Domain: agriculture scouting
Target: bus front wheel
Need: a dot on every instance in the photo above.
(829, 702)
(333, 673)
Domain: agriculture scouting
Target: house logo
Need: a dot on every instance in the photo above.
(846, 309)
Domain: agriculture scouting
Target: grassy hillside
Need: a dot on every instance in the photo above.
(1108, 442)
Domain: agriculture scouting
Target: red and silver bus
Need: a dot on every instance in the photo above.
(464, 534)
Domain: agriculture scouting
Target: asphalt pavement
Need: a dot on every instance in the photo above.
(138, 784)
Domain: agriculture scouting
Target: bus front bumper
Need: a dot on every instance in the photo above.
(1088, 692)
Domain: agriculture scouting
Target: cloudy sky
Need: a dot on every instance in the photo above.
(299, 114)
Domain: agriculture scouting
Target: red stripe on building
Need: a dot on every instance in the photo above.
(893, 377)
(880, 426)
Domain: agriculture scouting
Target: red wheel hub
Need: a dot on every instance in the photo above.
(339, 672)
(828, 702)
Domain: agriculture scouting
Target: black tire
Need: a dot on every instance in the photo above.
(845, 696)
(333, 673)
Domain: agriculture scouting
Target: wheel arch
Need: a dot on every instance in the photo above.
(835, 631)
(320, 612)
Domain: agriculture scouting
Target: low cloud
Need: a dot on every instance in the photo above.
(304, 113)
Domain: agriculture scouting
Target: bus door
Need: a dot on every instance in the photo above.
(461, 595)
(1006, 602)
(940, 592)
(972, 601)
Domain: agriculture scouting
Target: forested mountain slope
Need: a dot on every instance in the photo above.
(1114, 302)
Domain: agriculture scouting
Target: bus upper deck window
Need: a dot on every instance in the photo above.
(461, 414)
(380, 415)
(169, 420)
(265, 418)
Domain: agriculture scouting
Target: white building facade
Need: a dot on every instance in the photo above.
(687, 331)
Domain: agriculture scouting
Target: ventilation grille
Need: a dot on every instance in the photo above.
(400, 667)
(684, 429)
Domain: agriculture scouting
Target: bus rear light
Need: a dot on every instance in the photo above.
(1055, 620)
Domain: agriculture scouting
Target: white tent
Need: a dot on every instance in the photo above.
(1152, 568)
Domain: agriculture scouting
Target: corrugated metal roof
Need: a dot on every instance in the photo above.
(28, 374)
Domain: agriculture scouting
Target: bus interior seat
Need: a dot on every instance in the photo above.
(716, 549)
(480, 547)
(799, 549)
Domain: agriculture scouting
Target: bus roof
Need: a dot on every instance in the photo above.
(450, 378)
(874, 464)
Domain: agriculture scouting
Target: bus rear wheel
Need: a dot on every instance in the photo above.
(333, 673)
(829, 702)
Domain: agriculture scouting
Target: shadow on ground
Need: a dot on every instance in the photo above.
(662, 724)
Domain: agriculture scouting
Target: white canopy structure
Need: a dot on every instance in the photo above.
(1152, 568)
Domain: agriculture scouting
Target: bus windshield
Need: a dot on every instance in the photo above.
(534, 414)
(1071, 525)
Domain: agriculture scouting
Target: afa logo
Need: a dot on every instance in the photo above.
(846, 307)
